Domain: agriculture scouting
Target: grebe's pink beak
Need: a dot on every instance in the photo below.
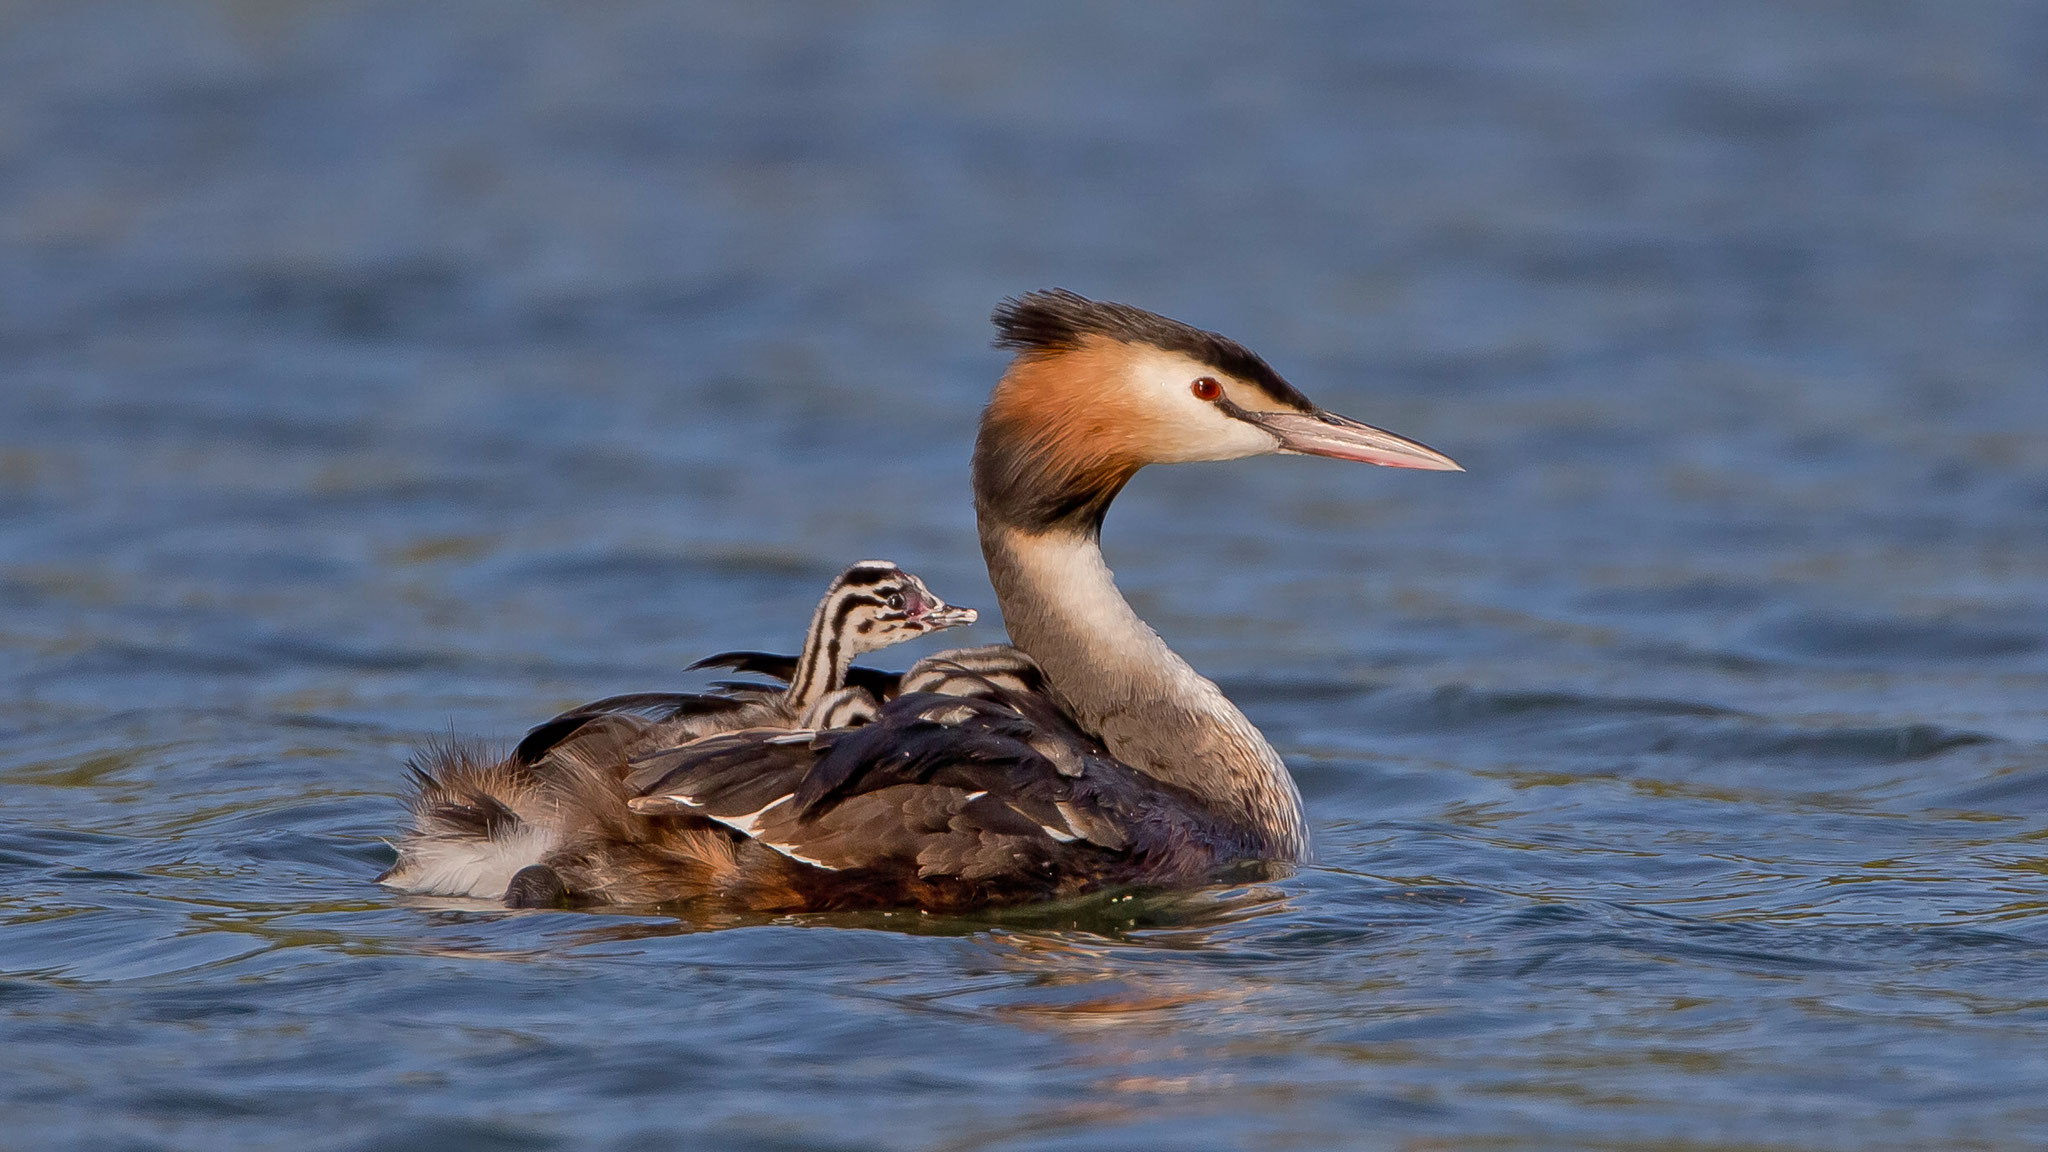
(1342, 438)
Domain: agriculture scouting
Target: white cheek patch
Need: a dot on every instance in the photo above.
(1236, 439)
(1189, 428)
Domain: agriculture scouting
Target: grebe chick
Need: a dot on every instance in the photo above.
(466, 823)
(1090, 756)
(871, 606)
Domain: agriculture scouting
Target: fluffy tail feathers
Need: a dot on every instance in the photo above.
(477, 821)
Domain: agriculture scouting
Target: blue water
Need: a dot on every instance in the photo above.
(376, 372)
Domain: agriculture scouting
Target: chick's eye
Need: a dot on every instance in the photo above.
(895, 601)
(1206, 388)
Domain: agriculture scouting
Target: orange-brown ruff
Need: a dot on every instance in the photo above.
(1089, 755)
(1069, 427)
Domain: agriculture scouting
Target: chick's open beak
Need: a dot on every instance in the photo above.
(942, 615)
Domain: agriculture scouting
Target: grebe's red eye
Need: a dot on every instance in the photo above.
(1206, 388)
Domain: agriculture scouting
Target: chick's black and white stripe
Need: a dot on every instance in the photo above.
(875, 585)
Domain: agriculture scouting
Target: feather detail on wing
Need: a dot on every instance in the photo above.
(996, 789)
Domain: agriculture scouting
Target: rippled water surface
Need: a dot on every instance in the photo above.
(1679, 774)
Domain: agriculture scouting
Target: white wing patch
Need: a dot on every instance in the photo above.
(799, 857)
(1059, 834)
(744, 825)
(749, 825)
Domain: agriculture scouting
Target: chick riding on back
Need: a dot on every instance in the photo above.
(477, 821)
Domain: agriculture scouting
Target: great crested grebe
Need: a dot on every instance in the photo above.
(1089, 755)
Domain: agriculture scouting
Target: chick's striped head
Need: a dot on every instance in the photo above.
(875, 603)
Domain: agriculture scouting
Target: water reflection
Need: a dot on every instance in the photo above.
(1170, 920)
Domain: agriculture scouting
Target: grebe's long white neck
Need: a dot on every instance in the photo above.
(1116, 676)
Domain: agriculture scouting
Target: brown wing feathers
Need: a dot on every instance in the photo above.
(953, 794)
(982, 791)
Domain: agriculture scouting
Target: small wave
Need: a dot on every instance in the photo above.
(1629, 725)
(1697, 596)
(1834, 636)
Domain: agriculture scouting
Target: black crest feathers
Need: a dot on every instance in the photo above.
(1055, 320)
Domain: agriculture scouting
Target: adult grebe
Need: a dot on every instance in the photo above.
(1089, 755)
